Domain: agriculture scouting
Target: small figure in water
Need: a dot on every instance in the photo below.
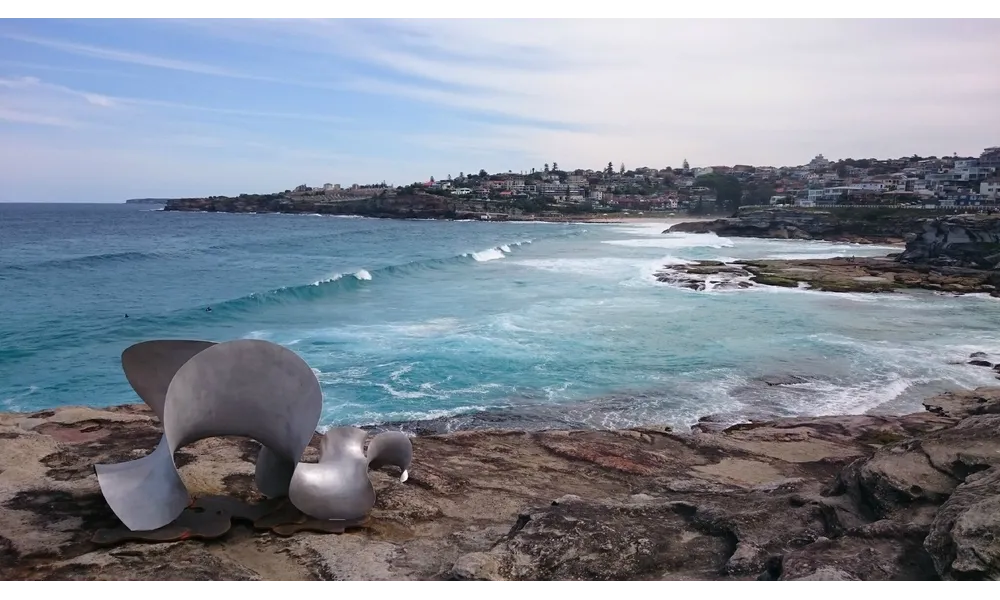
(208, 309)
(126, 315)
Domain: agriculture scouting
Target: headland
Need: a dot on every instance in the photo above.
(935, 183)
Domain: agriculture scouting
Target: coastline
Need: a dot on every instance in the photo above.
(842, 274)
(840, 497)
(582, 218)
(856, 497)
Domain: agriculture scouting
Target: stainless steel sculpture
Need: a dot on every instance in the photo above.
(250, 388)
(338, 487)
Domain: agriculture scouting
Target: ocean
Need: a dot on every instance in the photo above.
(466, 324)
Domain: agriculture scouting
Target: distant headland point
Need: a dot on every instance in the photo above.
(148, 201)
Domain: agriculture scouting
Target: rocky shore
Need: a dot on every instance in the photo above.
(957, 254)
(850, 225)
(878, 274)
(407, 207)
(913, 497)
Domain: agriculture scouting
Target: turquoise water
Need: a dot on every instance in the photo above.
(537, 324)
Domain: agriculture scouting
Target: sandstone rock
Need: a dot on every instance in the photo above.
(953, 254)
(964, 539)
(845, 225)
(821, 498)
(968, 241)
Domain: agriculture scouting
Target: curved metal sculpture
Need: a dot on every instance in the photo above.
(338, 487)
(250, 388)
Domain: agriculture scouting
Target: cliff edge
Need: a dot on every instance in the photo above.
(834, 498)
(964, 241)
(853, 225)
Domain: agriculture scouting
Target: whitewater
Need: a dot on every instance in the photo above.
(465, 323)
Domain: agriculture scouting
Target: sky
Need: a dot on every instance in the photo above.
(104, 110)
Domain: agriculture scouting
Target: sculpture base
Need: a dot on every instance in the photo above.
(211, 517)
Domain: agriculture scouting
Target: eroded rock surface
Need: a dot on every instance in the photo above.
(827, 498)
(860, 226)
(971, 241)
(957, 254)
(847, 274)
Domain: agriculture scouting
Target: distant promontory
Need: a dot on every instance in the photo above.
(148, 201)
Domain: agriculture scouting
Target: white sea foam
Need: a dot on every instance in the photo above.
(13, 403)
(487, 255)
(360, 275)
(675, 241)
(505, 248)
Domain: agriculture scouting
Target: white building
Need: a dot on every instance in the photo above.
(818, 163)
(990, 189)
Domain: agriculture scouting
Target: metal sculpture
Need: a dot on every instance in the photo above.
(249, 388)
(338, 487)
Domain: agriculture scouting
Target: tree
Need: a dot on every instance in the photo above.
(685, 166)
(483, 173)
(432, 179)
(728, 189)
(555, 166)
(546, 167)
(610, 168)
(449, 176)
(622, 169)
(760, 193)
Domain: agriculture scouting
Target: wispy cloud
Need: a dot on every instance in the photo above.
(234, 111)
(160, 62)
(12, 115)
(283, 102)
(28, 100)
(657, 90)
(32, 66)
(121, 56)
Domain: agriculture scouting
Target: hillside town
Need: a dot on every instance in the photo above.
(915, 180)
(552, 192)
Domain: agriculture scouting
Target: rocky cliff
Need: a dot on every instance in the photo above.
(834, 498)
(417, 206)
(964, 241)
(838, 225)
(147, 201)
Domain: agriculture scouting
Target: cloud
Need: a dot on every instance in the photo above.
(135, 58)
(31, 66)
(157, 62)
(61, 101)
(657, 91)
(28, 100)
(103, 147)
(233, 111)
(292, 101)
